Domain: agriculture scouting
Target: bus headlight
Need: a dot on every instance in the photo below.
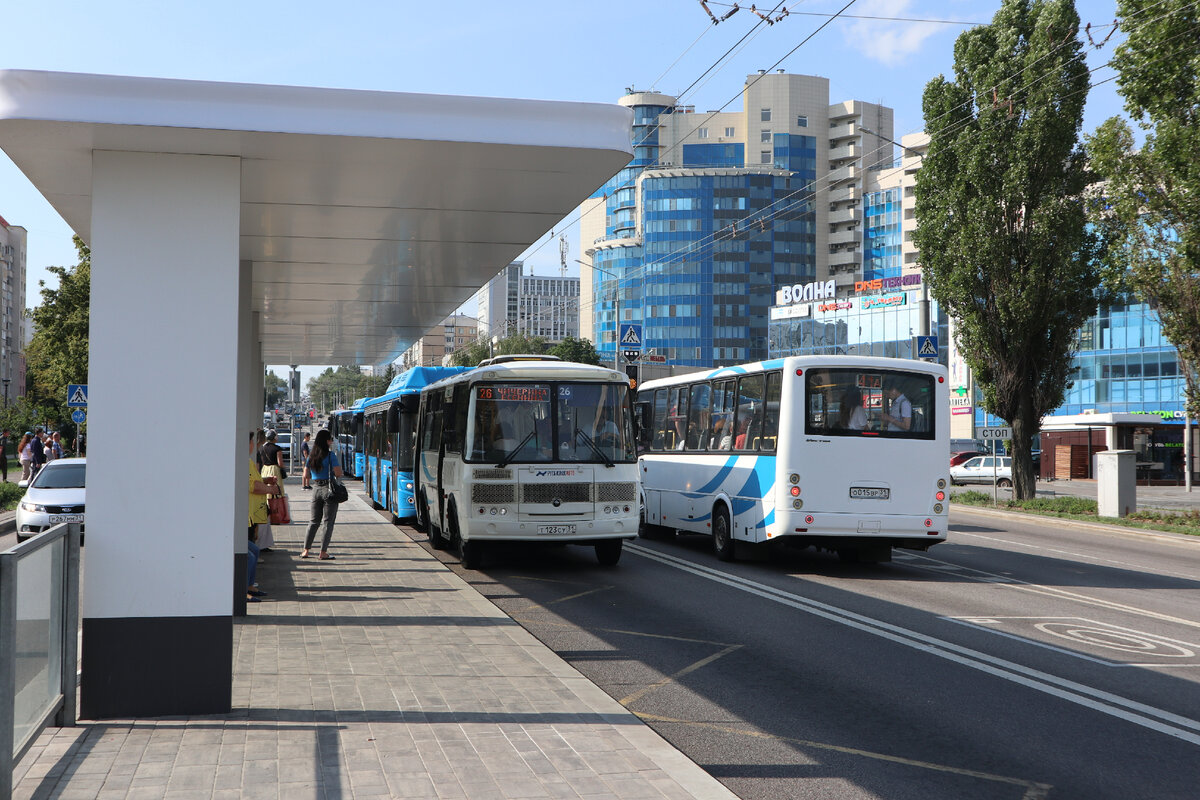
(408, 486)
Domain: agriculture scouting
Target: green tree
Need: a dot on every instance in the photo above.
(481, 349)
(1000, 212)
(276, 389)
(58, 353)
(578, 350)
(1149, 208)
(471, 354)
(333, 387)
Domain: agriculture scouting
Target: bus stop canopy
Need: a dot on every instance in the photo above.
(367, 216)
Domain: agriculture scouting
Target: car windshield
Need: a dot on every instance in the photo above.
(283, 438)
(60, 476)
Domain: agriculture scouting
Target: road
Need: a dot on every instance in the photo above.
(1021, 659)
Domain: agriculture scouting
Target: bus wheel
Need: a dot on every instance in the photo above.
(421, 523)
(647, 530)
(722, 534)
(608, 552)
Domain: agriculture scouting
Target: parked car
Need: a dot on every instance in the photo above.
(56, 494)
(966, 455)
(981, 469)
(284, 440)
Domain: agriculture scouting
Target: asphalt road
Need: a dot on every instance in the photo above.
(1021, 659)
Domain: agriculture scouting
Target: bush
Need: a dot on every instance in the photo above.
(10, 494)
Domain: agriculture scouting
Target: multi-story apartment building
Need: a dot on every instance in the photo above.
(716, 210)
(432, 349)
(12, 309)
(532, 305)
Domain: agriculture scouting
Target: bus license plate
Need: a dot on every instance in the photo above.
(556, 530)
(57, 518)
(869, 493)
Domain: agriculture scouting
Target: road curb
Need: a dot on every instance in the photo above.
(1075, 523)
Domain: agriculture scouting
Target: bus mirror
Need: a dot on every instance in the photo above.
(410, 403)
(393, 417)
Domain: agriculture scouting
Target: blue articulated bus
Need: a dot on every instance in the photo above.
(389, 425)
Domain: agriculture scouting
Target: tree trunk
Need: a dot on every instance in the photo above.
(1024, 426)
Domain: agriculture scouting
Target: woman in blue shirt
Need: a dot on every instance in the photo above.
(322, 466)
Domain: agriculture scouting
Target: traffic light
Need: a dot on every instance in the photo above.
(632, 371)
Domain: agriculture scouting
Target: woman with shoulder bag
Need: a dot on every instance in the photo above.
(323, 470)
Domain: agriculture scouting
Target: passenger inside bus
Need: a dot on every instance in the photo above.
(853, 416)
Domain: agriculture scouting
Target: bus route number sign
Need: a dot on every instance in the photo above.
(515, 394)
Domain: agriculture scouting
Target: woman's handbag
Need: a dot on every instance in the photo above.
(281, 513)
(339, 491)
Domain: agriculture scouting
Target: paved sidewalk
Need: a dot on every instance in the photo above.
(379, 674)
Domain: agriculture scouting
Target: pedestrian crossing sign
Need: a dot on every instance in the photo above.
(926, 347)
(631, 336)
(77, 395)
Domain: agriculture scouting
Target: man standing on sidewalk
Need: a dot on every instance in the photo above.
(4, 455)
(38, 448)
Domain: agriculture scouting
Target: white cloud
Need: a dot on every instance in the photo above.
(889, 43)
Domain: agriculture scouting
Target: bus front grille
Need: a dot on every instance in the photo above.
(492, 493)
(616, 492)
(563, 492)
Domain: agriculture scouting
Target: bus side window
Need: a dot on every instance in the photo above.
(698, 413)
(748, 420)
(770, 432)
(720, 435)
(660, 419)
(456, 419)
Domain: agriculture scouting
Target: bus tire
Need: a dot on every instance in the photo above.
(647, 530)
(421, 522)
(722, 534)
(608, 552)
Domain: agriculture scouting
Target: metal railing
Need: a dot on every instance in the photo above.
(39, 641)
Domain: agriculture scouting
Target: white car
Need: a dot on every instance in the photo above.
(981, 469)
(54, 495)
(284, 440)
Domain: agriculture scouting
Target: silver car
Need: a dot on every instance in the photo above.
(981, 469)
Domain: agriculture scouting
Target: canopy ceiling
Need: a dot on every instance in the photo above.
(367, 217)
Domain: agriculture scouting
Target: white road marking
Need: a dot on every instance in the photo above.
(1156, 719)
(1079, 556)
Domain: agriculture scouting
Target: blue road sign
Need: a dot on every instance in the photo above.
(77, 395)
(926, 347)
(631, 336)
(78, 416)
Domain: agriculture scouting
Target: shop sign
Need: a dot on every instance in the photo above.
(843, 305)
(884, 301)
(790, 312)
(961, 410)
(806, 292)
(1163, 414)
(880, 284)
(960, 402)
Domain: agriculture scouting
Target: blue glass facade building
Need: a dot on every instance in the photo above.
(883, 234)
(695, 251)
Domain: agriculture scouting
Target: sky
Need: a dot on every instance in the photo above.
(571, 50)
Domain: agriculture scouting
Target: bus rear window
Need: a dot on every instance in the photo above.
(875, 403)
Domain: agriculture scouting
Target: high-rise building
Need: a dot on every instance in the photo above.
(432, 349)
(12, 308)
(716, 210)
(532, 305)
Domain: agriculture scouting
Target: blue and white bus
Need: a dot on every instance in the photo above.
(528, 448)
(346, 428)
(843, 453)
(390, 423)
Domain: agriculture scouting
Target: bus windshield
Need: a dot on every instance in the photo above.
(866, 402)
(551, 422)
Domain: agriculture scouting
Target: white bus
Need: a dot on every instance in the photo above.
(844, 453)
(528, 448)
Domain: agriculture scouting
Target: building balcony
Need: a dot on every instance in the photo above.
(845, 237)
(843, 215)
(846, 258)
(841, 175)
(843, 130)
(851, 150)
(842, 194)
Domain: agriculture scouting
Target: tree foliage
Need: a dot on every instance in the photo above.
(276, 389)
(58, 353)
(343, 386)
(481, 349)
(1149, 208)
(1000, 212)
(581, 351)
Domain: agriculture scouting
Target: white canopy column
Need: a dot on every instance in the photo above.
(157, 601)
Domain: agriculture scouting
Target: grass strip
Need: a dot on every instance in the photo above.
(1082, 508)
